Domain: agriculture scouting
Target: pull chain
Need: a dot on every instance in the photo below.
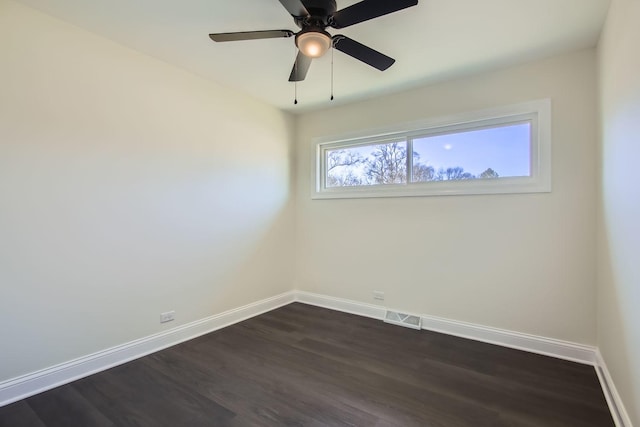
(295, 72)
(331, 73)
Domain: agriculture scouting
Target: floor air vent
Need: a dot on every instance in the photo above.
(402, 319)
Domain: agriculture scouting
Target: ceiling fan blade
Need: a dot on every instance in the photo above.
(300, 68)
(295, 8)
(368, 9)
(250, 35)
(363, 53)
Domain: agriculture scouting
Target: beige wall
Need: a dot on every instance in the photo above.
(523, 262)
(618, 222)
(128, 187)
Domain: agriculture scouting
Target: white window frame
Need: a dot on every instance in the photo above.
(538, 113)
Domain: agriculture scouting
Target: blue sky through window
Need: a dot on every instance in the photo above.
(505, 149)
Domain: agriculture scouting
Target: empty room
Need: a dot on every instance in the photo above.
(319, 213)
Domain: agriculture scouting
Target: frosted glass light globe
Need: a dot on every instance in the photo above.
(313, 44)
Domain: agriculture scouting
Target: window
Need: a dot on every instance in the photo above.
(505, 150)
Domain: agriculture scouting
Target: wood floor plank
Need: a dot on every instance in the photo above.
(64, 406)
(307, 366)
(246, 388)
(380, 395)
(135, 395)
(500, 393)
(19, 414)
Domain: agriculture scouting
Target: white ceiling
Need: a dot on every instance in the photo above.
(435, 40)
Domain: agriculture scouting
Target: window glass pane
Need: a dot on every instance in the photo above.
(496, 152)
(367, 165)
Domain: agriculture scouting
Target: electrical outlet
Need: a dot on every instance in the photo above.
(379, 295)
(167, 316)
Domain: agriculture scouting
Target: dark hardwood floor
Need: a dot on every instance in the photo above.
(308, 366)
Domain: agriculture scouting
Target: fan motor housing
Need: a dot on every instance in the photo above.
(319, 13)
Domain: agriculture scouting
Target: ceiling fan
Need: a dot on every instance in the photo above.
(313, 41)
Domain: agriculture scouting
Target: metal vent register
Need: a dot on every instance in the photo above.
(403, 319)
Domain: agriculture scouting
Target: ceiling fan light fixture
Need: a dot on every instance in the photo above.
(314, 43)
(313, 17)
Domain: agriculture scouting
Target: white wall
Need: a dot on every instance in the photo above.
(618, 222)
(522, 262)
(128, 187)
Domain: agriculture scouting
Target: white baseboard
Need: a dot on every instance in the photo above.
(517, 340)
(341, 304)
(46, 379)
(616, 406)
